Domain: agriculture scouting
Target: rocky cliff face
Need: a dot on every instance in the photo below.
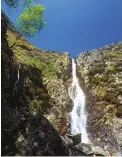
(43, 79)
(41, 89)
(100, 74)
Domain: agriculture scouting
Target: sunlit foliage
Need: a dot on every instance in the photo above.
(31, 20)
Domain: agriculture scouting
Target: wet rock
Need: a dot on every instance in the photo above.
(75, 138)
(88, 150)
(75, 152)
(99, 151)
(67, 140)
(85, 148)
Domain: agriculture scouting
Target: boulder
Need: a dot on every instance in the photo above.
(41, 139)
(67, 140)
(83, 148)
(99, 151)
(75, 138)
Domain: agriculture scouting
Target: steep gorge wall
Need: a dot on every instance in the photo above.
(44, 76)
(100, 74)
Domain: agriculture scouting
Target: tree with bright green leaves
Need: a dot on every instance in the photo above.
(30, 22)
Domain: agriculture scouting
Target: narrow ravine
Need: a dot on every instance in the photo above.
(78, 116)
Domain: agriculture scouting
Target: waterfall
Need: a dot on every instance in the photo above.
(78, 117)
(16, 85)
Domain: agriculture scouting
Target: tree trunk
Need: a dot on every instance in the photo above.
(18, 37)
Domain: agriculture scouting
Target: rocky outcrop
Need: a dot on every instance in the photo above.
(100, 75)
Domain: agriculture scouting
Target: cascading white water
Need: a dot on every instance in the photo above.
(16, 83)
(78, 117)
(18, 74)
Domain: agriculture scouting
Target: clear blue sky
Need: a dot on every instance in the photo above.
(77, 25)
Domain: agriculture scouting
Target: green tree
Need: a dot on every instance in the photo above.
(30, 21)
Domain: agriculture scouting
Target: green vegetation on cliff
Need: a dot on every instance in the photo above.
(43, 60)
(101, 73)
(44, 74)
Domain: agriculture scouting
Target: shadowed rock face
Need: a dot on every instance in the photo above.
(41, 139)
(100, 74)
